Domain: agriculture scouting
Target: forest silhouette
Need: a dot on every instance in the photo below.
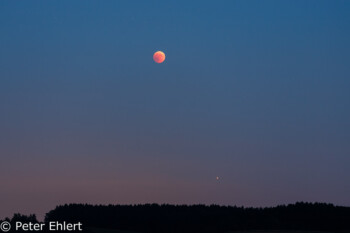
(154, 218)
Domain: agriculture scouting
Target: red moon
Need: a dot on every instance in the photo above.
(159, 56)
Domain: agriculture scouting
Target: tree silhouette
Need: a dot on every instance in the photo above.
(153, 218)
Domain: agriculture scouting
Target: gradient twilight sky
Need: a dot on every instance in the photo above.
(255, 92)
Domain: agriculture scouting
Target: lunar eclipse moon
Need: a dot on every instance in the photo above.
(159, 57)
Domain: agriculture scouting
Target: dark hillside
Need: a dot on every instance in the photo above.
(155, 218)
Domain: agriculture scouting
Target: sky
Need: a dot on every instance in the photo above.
(253, 92)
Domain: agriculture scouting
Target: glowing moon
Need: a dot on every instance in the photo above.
(159, 56)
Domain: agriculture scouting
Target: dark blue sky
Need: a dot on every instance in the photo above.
(255, 92)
